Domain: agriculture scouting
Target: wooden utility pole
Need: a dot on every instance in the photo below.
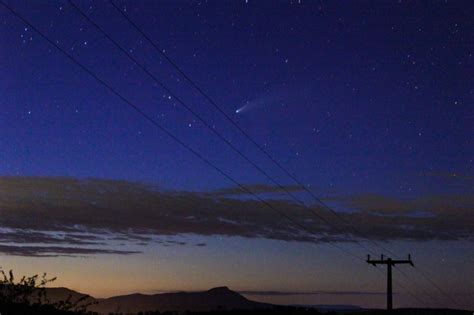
(389, 262)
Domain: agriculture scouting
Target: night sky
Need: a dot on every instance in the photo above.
(368, 104)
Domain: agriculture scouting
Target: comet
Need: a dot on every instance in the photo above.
(237, 111)
(258, 102)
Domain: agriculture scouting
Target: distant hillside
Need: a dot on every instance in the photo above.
(340, 308)
(221, 298)
(213, 301)
(62, 294)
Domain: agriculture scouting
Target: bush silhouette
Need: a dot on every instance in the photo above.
(28, 296)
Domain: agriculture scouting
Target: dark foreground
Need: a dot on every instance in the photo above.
(416, 311)
(306, 311)
(22, 309)
(26, 309)
(309, 311)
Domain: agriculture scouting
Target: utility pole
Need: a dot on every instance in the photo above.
(389, 262)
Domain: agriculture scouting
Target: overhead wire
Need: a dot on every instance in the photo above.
(163, 53)
(408, 291)
(150, 119)
(206, 124)
(166, 131)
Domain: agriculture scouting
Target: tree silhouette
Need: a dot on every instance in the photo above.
(28, 296)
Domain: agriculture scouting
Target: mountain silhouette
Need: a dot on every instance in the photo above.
(62, 294)
(220, 298)
(214, 299)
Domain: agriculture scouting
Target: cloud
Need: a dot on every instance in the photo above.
(55, 251)
(72, 213)
(443, 217)
(28, 236)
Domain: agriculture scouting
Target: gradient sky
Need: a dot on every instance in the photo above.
(369, 104)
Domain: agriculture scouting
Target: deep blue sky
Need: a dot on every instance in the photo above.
(350, 94)
(352, 97)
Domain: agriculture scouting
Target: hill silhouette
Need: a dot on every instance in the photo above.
(220, 298)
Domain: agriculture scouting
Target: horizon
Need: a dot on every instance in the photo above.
(251, 295)
(267, 146)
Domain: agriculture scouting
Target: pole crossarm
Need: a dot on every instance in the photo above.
(389, 262)
(383, 261)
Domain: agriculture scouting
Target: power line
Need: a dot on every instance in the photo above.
(389, 262)
(241, 130)
(263, 150)
(181, 102)
(413, 282)
(165, 130)
(427, 278)
(202, 120)
(398, 283)
(151, 120)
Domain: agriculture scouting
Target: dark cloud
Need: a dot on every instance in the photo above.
(55, 251)
(72, 212)
(445, 217)
(134, 211)
(28, 236)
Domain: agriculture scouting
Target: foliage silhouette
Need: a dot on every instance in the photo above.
(28, 296)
